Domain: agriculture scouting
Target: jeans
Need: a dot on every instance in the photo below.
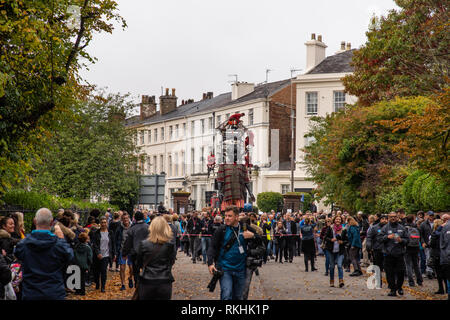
(194, 244)
(319, 249)
(423, 261)
(427, 255)
(206, 242)
(270, 248)
(248, 279)
(412, 264)
(232, 285)
(327, 260)
(336, 258)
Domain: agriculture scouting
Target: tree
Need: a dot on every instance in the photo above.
(269, 201)
(352, 158)
(406, 53)
(40, 57)
(92, 155)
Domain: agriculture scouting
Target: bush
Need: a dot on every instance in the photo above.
(32, 201)
(267, 201)
(407, 192)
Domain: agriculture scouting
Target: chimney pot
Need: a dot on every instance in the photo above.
(319, 38)
(173, 92)
(313, 36)
(204, 96)
(167, 91)
(349, 46)
(342, 45)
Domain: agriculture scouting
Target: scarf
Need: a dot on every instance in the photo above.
(337, 229)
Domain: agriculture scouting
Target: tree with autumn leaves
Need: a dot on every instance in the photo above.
(42, 49)
(362, 156)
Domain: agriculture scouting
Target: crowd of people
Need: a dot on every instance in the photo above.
(233, 243)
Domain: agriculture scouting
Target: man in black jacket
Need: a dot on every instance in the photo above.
(136, 233)
(194, 229)
(395, 239)
(412, 252)
(291, 230)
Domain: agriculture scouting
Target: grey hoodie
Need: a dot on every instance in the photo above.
(444, 242)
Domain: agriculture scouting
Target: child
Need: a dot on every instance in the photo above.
(83, 258)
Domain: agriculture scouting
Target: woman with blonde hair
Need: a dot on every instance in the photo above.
(156, 256)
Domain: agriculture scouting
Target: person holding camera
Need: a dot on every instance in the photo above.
(395, 238)
(227, 255)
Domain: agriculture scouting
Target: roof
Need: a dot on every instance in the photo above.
(338, 63)
(219, 101)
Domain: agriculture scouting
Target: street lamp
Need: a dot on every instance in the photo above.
(292, 134)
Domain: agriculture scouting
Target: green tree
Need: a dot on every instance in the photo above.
(40, 59)
(406, 53)
(94, 154)
(267, 201)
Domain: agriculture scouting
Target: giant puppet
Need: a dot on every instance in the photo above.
(233, 162)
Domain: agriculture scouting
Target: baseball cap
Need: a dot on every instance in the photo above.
(430, 213)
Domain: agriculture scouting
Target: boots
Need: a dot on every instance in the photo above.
(341, 283)
(331, 283)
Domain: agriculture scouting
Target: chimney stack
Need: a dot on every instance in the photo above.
(239, 89)
(168, 102)
(315, 51)
(148, 107)
(209, 95)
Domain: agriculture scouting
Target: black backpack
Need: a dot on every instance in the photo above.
(413, 237)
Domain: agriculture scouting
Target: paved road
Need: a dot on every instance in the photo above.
(287, 281)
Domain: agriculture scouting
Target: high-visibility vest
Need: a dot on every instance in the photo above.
(267, 230)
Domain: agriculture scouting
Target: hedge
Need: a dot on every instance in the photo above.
(32, 201)
(267, 201)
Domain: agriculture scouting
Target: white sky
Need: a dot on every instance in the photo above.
(194, 45)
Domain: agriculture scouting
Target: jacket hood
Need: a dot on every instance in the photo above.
(4, 234)
(40, 241)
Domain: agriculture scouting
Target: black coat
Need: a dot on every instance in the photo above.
(425, 232)
(137, 233)
(293, 226)
(95, 241)
(5, 276)
(159, 269)
(329, 244)
(373, 240)
(194, 226)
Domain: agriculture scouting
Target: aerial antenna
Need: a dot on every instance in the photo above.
(267, 75)
(234, 75)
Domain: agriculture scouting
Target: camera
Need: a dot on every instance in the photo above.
(253, 262)
(216, 276)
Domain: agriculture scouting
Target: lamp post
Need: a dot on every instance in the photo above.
(292, 134)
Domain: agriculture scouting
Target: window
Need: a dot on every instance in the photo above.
(202, 125)
(149, 138)
(210, 124)
(170, 132)
(176, 131)
(149, 165)
(154, 164)
(192, 128)
(184, 129)
(175, 171)
(170, 166)
(192, 160)
(218, 119)
(285, 188)
(338, 100)
(161, 160)
(311, 103)
(162, 134)
(183, 164)
(156, 135)
(202, 159)
(250, 117)
(142, 137)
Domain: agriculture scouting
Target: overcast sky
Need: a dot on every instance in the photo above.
(194, 45)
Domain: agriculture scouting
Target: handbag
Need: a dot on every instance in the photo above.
(149, 259)
(9, 292)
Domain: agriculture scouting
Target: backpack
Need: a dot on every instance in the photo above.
(413, 237)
